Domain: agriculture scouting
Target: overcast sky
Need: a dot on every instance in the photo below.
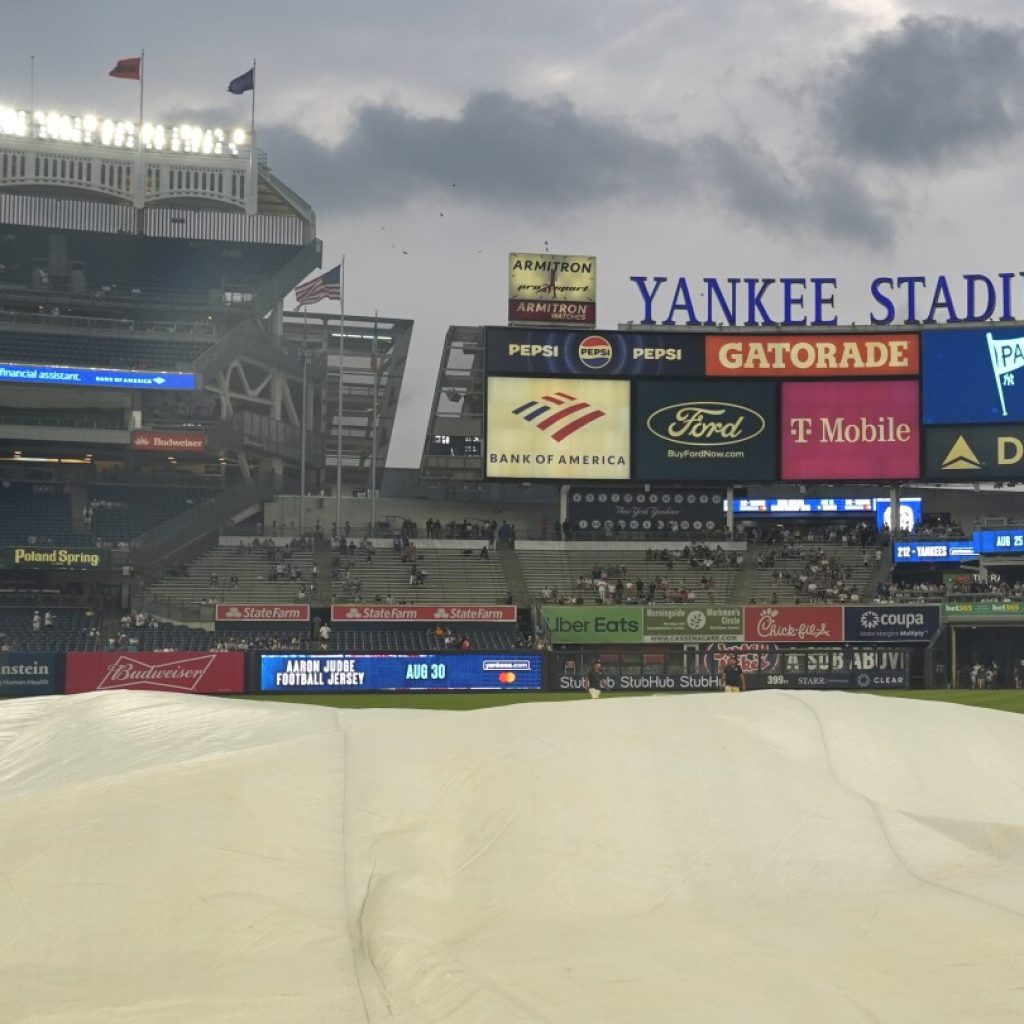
(845, 138)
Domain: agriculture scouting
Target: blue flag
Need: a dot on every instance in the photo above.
(243, 83)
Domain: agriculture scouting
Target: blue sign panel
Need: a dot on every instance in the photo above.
(29, 675)
(82, 377)
(558, 353)
(362, 673)
(973, 376)
(999, 542)
(934, 550)
(910, 513)
(899, 623)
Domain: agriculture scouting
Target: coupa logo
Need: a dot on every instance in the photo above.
(595, 352)
(559, 415)
(703, 424)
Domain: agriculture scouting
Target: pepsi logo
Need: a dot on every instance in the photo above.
(595, 352)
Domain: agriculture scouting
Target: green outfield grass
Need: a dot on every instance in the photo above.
(1000, 700)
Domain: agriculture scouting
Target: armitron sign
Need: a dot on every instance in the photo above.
(262, 613)
(423, 613)
(168, 441)
(548, 288)
(812, 355)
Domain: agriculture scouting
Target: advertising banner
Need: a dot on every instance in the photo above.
(766, 666)
(691, 624)
(85, 377)
(237, 614)
(668, 509)
(38, 557)
(594, 624)
(961, 550)
(423, 613)
(813, 355)
(855, 430)
(787, 624)
(23, 674)
(567, 672)
(970, 376)
(547, 288)
(999, 542)
(557, 428)
(901, 623)
(347, 673)
(968, 609)
(705, 430)
(173, 672)
(974, 452)
(560, 353)
(168, 441)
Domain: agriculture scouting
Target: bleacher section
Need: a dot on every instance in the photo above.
(563, 573)
(806, 571)
(122, 512)
(452, 576)
(160, 351)
(69, 632)
(41, 511)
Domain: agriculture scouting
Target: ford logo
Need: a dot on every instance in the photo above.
(703, 424)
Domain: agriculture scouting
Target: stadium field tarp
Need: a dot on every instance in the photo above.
(721, 858)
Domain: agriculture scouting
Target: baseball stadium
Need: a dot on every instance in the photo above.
(292, 733)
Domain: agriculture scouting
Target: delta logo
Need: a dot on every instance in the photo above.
(961, 456)
(595, 352)
(559, 414)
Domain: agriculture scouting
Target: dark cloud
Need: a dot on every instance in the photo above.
(927, 91)
(516, 154)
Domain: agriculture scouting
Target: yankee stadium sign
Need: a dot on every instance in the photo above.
(810, 301)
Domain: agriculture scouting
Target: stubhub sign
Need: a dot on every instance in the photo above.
(558, 353)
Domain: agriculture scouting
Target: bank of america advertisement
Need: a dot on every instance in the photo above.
(706, 430)
(973, 376)
(557, 428)
(547, 288)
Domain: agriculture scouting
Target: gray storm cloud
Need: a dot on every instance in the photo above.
(926, 92)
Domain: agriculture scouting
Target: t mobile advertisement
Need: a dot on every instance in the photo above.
(349, 673)
(850, 430)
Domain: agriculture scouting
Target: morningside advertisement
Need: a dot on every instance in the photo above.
(557, 428)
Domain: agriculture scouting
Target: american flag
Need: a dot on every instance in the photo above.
(326, 286)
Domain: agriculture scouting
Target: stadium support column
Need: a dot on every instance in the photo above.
(894, 510)
(341, 366)
(730, 515)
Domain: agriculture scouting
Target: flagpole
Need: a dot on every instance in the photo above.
(31, 86)
(302, 443)
(373, 425)
(140, 163)
(341, 366)
(253, 157)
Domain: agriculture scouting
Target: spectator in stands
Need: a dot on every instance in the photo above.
(37, 622)
(48, 619)
(464, 643)
(325, 636)
(484, 552)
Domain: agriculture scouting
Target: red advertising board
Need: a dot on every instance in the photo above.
(793, 624)
(812, 355)
(423, 613)
(168, 441)
(850, 430)
(262, 613)
(170, 671)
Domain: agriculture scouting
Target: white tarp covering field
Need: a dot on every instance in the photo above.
(713, 858)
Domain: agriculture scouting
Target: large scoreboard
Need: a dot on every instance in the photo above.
(647, 406)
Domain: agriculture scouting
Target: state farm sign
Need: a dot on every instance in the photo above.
(168, 441)
(172, 671)
(262, 613)
(423, 613)
(800, 624)
(850, 430)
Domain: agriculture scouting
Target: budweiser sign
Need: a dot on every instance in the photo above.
(168, 441)
(802, 624)
(169, 671)
(262, 613)
(423, 613)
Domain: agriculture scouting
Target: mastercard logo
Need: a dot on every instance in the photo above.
(595, 352)
(506, 678)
